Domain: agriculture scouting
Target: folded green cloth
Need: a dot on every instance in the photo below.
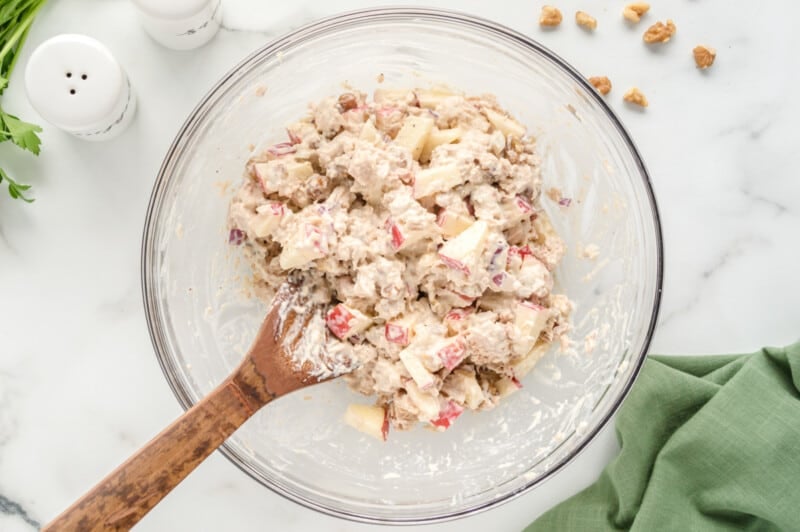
(708, 443)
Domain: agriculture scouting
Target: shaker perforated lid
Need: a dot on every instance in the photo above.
(172, 9)
(74, 82)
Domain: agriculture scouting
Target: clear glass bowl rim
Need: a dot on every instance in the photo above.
(152, 312)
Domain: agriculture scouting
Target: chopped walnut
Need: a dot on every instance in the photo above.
(550, 17)
(601, 83)
(585, 20)
(659, 32)
(348, 101)
(380, 78)
(704, 56)
(635, 96)
(554, 194)
(634, 11)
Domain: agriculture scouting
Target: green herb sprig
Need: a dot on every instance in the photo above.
(16, 17)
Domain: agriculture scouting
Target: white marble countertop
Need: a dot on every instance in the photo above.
(80, 388)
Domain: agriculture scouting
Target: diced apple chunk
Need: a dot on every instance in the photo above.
(462, 252)
(273, 173)
(437, 179)
(450, 351)
(422, 377)
(400, 330)
(455, 318)
(473, 393)
(463, 385)
(430, 98)
(371, 420)
(523, 365)
(438, 137)
(268, 218)
(344, 321)
(414, 133)
(529, 321)
(453, 298)
(368, 132)
(310, 243)
(401, 236)
(448, 412)
(294, 257)
(452, 223)
(427, 404)
(504, 124)
(517, 209)
(397, 334)
(506, 386)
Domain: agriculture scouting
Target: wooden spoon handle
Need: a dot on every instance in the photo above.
(121, 499)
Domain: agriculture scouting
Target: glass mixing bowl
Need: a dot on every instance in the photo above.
(202, 317)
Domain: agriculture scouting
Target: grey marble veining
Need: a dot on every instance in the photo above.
(79, 385)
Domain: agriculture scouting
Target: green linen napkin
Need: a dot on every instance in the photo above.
(708, 443)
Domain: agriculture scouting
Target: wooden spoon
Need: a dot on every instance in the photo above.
(267, 372)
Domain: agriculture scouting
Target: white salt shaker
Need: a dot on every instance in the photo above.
(180, 24)
(75, 83)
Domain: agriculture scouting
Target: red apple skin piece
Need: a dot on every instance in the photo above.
(282, 148)
(463, 297)
(396, 334)
(523, 204)
(395, 232)
(236, 237)
(452, 354)
(387, 114)
(385, 426)
(458, 314)
(397, 237)
(522, 252)
(317, 238)
(447, 415)
(454, 264)
(293, 138)
(338, 320)
(531, 304)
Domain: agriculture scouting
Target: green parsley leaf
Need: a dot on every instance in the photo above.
(23, 134)
(15, 190)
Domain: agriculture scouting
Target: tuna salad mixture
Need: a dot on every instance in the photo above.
(414, 217)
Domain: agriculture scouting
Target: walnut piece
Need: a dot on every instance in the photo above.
(550, 17)
(601, 83)
(585, 20)
(554, 194)
(704, 56)
(348, 101)
(634, 11)
(635, 96)
(659, 32)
